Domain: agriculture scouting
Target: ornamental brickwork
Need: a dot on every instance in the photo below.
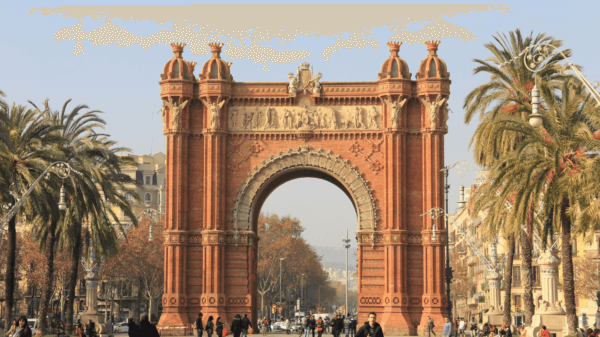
(230, 144)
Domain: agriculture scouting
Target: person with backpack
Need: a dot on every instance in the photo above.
(430, 326)
(198, 326)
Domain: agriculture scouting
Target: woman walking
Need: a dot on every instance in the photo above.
(288, 326)
(210, 326)
(320, 326)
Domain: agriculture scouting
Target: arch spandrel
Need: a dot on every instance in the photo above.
(306, 156)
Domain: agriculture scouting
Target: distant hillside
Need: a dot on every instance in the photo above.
(336, 257)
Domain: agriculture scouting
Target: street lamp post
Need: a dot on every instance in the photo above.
(448, 269)
(347, 246)
(301, 292)
(281, 259)
(62, 170)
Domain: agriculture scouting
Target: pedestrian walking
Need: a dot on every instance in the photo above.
(237, 326)
(23, 329)
(509, 331)
(133, 330)
(473, 327)
(79, 332)
(219, 327)
(265, 323)
(430, 326)
(339, 325)
(447, 330)
(461, 327)
(347, 325)
(210, 326)
(306, 327)
(327, 324)
(353, 323)
(288, 326)
(90, 329)
(246, 324)
(269, 324)
(320, 326)
(13, 328)
(199, 326)
(544, 332)
(370, 328)
(147, 329)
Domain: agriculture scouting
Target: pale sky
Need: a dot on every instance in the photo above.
(121, 77)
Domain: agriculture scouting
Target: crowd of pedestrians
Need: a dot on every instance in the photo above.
(340, 326)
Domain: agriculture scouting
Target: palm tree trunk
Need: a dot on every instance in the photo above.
(567, 264)
(526, 267)
(9, 279)
(47, 288)
(508, 279)
(76, 256)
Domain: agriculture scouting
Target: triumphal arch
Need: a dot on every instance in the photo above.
(230, 144)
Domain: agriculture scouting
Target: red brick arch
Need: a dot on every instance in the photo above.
(230, 144)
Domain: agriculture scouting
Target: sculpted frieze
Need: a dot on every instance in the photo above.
(266, 118)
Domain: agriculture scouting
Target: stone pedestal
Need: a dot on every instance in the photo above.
(555, 323)
(548, 263)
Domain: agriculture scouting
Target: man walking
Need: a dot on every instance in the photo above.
(430, 326)
(370, 328)
(473, 327)
(347, 325)
(245, 325)
(353, 324)
(312, 324)
(447, 332)
(198, 326)
(236, 326)
(306, 325)
(338, 324)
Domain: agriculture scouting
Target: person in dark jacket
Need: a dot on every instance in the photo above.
(219, 329)
(199, 326)
(338, 324)
(246, 324)
(312, 325)
(237, 326)
(90, 330)
(371, 328)
(148, 329)
(133, 330)
(210, 326)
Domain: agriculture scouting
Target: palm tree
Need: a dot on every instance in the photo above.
(90, 154)
(25, 136)
(542, 170)
(507, 94)
(508, 280)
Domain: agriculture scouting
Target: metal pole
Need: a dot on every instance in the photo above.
(448, 268)
(281, 259)
(346, 245)
(302, 293)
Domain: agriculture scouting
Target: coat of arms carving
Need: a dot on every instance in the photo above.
(304, 80)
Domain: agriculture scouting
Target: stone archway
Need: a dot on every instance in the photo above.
(230, 143)
(305, 156)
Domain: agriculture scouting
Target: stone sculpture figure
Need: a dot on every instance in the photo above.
(249, 119)
(373, 118)
(268, 120)
(432, 110)
(175, 111)
(244, 119)
(315, 80)
(395, 108)
(164, 113)
(357, 116)
(258, 116)
(298, 118)
(287, 119)
(233, 118)
(333, 120)
(213, 109)
(293, 82)
(273, 117)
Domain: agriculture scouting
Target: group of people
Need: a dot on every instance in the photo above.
(19, 328)
(239, 326)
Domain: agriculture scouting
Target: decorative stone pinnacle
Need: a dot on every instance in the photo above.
(192, 65)
(432, 46)
(177, 48)
(394, 47)
(215, 48)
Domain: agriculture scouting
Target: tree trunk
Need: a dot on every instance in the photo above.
(76, 256)
(47, 288)
(567, 264)
(153, 308)
(9, 279)
(508, 279)
(526, 270)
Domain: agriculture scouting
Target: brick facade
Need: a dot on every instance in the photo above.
(222, 164)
